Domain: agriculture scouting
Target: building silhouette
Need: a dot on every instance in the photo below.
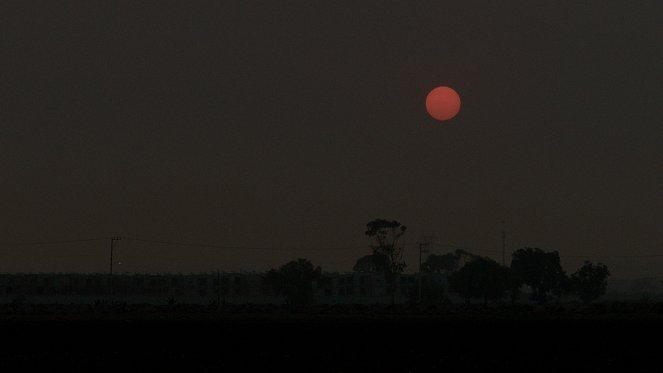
(197, 288)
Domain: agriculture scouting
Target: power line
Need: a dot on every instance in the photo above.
(51, 242)
(216, 246)
(593, 255)
(268, 248)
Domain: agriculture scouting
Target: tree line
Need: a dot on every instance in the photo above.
(469, 275)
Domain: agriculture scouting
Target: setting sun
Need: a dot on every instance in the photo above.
(443, 103)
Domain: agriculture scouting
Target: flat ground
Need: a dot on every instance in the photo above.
(347, 339)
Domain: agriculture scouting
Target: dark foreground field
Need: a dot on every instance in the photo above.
(368, 340)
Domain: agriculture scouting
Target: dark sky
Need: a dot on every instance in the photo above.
(292, 124)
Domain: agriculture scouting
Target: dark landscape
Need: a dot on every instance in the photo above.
(622, 336)
(331, 186)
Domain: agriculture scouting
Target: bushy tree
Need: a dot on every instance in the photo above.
(446, 263)
(482, 278)
(436, 265)
(589, 282)
(372, 263)
(386, 249)
(540, 270)
(295, 280)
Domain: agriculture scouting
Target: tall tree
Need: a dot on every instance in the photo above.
(386, 247)
(589, 282)
(539, 270)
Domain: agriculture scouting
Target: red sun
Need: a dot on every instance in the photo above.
(443, 103)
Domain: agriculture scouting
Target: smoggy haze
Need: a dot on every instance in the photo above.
(293, 125)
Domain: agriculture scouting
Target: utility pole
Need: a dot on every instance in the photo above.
(110, 277)
(218, 289)
(425, 243)
(503, 244)
(421, 249)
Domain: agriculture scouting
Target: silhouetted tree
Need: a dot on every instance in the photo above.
(540, 270)
(589, 282)
(386, 235)
(482, 278)
(372, 263)
(446, 263)
(294, 280)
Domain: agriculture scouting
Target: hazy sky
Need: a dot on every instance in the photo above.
(294, 123)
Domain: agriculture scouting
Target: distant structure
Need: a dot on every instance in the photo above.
(426, 242)
(200, 288)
